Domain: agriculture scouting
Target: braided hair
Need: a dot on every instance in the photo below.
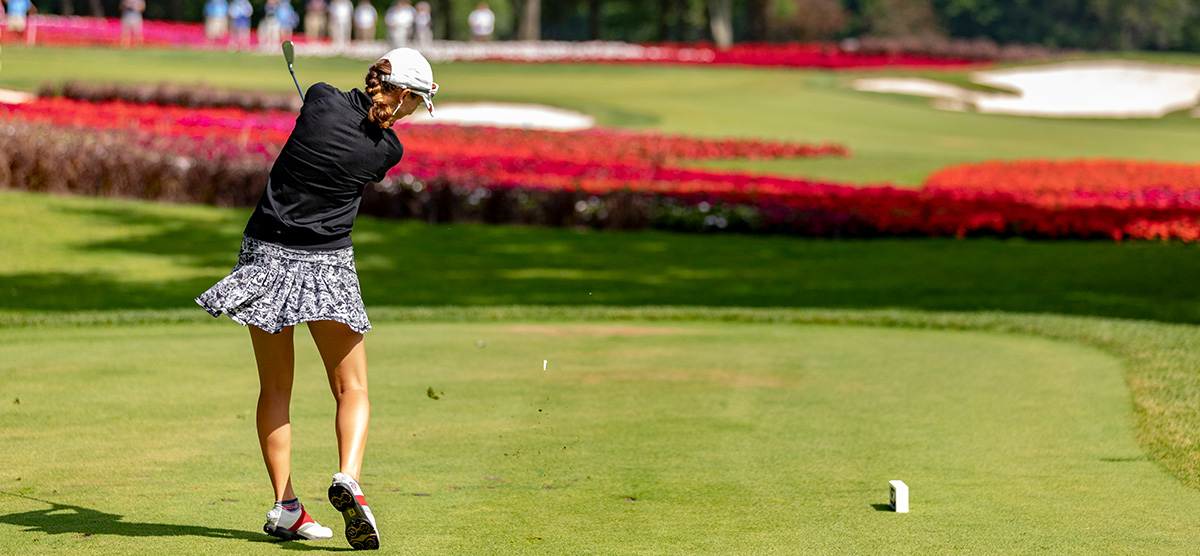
(378, 89)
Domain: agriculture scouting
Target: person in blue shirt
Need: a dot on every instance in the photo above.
(287, 19)
(216, 19)
(18, 11)
(239, 21)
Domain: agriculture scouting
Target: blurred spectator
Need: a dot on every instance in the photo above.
(423, 25)
(239, 22)
(18, 14)
(287, 19)
(314, 19)
(268, 27)
(131, 22)
(216, 19)
(340, 14)
(482, 22)
(399, 20)
(365, 18)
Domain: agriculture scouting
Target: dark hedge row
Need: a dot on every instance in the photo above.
(439, 201)
(171, 94)
(981, 49)
(123, 164)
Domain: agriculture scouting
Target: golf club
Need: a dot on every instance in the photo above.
(289, 54)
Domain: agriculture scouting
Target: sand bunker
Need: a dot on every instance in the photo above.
(1104, 89)
(14, 97)
(526, 116)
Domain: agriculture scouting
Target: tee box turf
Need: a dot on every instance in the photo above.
(899, 496)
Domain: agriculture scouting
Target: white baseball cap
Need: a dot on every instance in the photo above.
(410, 70)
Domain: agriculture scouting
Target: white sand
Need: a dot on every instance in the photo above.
(527, 116)
(14, 97)
(1104, 89)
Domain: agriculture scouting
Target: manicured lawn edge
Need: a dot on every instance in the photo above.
(1162, 360)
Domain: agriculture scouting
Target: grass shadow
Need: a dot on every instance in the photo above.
(410, 263)
(195, 244)
(168, 237)
(61, 519)
(66, 291)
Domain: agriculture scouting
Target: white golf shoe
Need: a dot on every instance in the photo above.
(347, 497)
(294, 526)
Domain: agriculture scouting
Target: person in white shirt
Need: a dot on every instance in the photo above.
(131, 22)
(340, 14)
(399, 20)
(268, 27)
(365, 18)
(287, 19)
(423, 25)
(314, 19)
(482, 22)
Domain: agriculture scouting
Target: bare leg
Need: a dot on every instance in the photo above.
(276, 359)
(345, 358)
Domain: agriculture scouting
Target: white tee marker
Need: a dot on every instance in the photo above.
(899, 496)
(543, 364)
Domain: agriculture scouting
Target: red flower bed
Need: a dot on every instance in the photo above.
(598, 146)
(1118, 180)
(80, 31)
(272, 127)
(1120, 184)
(1160, 199)
(261, 127)
(602, 178)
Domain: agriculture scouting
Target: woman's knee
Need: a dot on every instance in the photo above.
(349, 388)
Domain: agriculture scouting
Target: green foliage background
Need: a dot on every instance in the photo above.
(1086, 24)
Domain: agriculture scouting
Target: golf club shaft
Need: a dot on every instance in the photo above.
(296, 81)
(289, 55)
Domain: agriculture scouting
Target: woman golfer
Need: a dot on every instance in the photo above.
(297, 265)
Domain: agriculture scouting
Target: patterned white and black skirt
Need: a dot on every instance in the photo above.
(274, 286)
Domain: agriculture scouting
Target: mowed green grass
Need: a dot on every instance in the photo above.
(894, 139)
(637, 438)
(66, 254)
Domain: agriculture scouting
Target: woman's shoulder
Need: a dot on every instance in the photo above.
(320, 90)
(393, 138)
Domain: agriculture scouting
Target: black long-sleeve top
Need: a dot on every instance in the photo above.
(316, 184)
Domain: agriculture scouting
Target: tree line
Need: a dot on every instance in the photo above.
(1084, 24)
